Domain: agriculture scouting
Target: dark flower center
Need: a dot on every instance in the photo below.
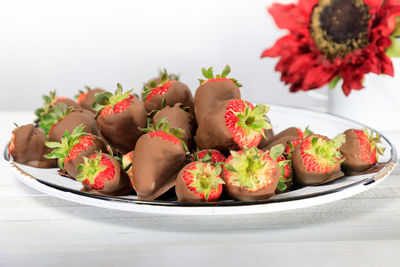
(339, 27)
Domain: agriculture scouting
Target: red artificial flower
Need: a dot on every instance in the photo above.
(333, 39)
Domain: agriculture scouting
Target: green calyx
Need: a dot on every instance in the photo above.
(152, 84)
(82, 92)
(53, 115)
(108, 99)
(308, 132)
(276, 151)
(327, 150)
(206, 178)
(248, 168)
(254, 119)
(47, 105)
(374, 140)
(90, 168)
(61, 150)
(208, 74)
(282, 186)
(164, 126)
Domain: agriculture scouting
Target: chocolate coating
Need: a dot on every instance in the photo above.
(283, 140)
(292, 131)
(70, 122)
(89, 99)
(30, 147)
(178, 118)
(351, 151)
(209, 94)
(155, 166)
(213, 132)
(120, 130)
(71, 166)
(268, 136)
(178, 92)
(67, 101)
(305, 177)
(183, 193)
(119, 186)
(243, 194)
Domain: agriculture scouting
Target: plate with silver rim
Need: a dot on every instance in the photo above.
(282, 117)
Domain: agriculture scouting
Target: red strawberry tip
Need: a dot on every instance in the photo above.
(105, 99)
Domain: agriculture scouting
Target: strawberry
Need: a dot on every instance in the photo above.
(86, 99)
(285, 166)
(209, 156)
(235, 124)
(316, 160)
(127, 160)
(361, 149)
(27, 146)
(250, 174)
(292, 144)
(60, 119)
(119, 117)
(73, 147)
(159, 156)
(199, 182)
(53, 100)
(287, 136)
(166, 93)
(178, 117)
(101, 174)
(213, 91)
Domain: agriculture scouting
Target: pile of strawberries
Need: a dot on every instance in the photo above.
(212, 146)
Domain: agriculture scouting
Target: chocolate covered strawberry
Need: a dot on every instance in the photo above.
(158, 80)
(159, 156)
(166, 93)
(178, 117)
(61, 119)
(250, 174)
(119, 117)
(73, 147)
(53, 100)
(285, 166)
(102, 174)
(233, 124)
(290, 135)
(361, 149)
(27, 146)
(214, 90)
(212, 156)
(317, 159)
(199, 182)
(86, 99)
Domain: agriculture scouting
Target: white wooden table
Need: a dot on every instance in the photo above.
(40, 230)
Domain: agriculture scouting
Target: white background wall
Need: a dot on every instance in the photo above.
(65, 45)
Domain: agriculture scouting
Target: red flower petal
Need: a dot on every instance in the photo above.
(282, 45)
(287, 16)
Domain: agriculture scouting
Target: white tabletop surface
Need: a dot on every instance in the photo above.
(41, 230)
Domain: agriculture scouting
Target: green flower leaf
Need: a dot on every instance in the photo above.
(334, 82)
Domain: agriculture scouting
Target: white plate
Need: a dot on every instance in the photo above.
(282, 117)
